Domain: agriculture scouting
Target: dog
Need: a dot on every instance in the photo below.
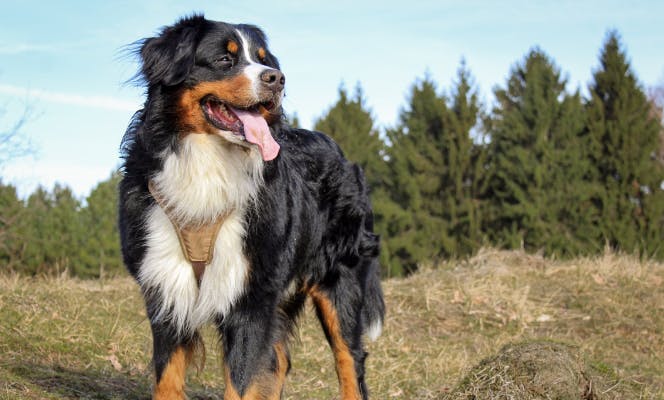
(229, 216)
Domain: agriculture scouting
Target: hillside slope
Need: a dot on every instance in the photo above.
(62, 338)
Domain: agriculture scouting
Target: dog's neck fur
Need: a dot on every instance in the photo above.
(200, 186)
(207, 178)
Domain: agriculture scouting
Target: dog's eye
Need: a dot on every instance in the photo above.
(225, 61)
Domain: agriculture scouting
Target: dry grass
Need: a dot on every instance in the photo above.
(62, 338)
(540, 370)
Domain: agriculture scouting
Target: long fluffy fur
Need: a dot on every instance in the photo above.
(218, 181)
(299, 224)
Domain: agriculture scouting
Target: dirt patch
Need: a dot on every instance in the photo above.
(539, 370)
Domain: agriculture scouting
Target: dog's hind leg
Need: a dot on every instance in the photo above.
(339, 314)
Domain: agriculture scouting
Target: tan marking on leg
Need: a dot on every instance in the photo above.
(282, 370)
(230, 393)
(266, 386)
(252, 393)
(171, 384)
(345, 364)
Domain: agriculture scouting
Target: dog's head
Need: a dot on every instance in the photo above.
(224, 78)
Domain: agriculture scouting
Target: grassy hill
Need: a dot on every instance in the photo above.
(62, 338)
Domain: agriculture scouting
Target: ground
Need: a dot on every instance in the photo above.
(63, 338)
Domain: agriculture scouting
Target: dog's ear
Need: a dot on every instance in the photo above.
(169, 57)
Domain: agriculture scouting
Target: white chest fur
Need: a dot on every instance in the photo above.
(204, 179)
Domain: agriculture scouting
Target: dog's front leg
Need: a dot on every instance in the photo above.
(171, 356)
(255, 353)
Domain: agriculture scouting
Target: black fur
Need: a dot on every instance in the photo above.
(312, 224)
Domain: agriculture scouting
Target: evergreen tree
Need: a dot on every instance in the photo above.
(656, 99)
(417, 228)
(52, 232)
(11, 213)
(464, 161)
(536, 183)
(293, 120)
(66, 237)
(37, 233)
(624, 139)
(101, 253)
(351, 125)
(571, 187)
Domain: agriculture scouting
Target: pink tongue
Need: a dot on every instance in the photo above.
(256, 131)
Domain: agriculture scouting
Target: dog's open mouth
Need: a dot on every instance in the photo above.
(247, 124)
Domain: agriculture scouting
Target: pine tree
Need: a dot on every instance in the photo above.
(101, 247)
(417, 227)
(624, 137)
(57, 233)
(535, 187)
(293, 120)
(352, 126)
(67, 240)
(37, 232)
(11, 214)
(571, 187)
(52, 231)
(464, 161)
(656, 100)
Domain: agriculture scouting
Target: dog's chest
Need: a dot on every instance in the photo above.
(197, 185)
(166, 269)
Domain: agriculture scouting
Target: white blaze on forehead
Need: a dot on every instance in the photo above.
(253, 70)
(246, 47)
(256, 129)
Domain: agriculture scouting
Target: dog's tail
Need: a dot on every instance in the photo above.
(373, 310)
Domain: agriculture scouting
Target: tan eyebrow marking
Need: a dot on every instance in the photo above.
(261, 53)
(232, 46)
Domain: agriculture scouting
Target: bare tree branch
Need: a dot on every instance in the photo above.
(14, 143)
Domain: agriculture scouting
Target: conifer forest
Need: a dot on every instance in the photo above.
(544, 167)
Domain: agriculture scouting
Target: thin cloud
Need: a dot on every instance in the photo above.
(18, 48)
(101, 102)
(27, 47)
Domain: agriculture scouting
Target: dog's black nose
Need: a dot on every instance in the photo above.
(273, 79)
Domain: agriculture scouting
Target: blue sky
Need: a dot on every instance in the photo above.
(65, 60)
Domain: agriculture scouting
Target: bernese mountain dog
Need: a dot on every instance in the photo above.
(229, 216)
